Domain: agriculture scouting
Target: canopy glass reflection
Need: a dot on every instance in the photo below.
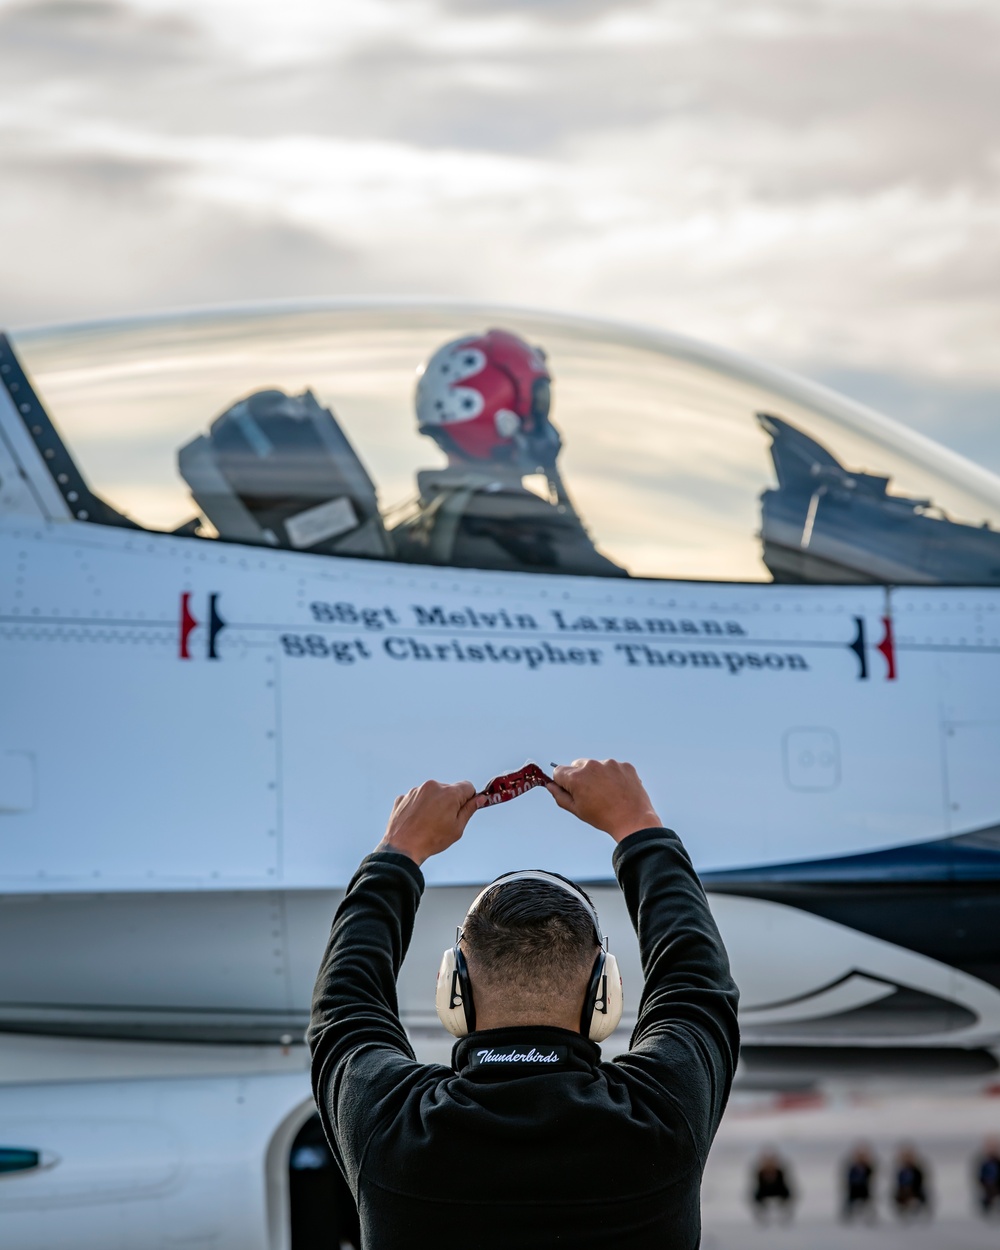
(677, 460)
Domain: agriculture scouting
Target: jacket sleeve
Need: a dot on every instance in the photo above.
(686, 1040)
(362, 1061)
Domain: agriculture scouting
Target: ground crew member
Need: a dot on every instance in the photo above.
(911, 1197)
(771, 1189)
(528, 1139)
(988, 1177)
(859, 1185)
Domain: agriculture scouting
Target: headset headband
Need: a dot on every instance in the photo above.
(549, 878)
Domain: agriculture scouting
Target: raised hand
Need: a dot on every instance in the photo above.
(430, 818)
(606, 794)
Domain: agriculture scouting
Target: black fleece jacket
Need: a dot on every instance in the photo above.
(489, 1155)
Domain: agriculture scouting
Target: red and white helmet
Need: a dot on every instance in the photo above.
(487, 397)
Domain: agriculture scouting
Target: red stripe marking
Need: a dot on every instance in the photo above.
(188, 623)
(888, 648)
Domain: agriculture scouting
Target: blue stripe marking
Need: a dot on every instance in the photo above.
(962, 858)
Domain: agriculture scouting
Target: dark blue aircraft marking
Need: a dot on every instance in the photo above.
(939, 898)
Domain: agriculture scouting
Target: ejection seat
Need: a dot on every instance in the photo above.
(827, 523)
(278, 470)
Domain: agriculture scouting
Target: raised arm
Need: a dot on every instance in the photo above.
(360, 1050)
(686, 1039)
(354, 1002)
(686, 1036)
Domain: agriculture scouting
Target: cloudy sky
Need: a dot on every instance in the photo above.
(815, 182)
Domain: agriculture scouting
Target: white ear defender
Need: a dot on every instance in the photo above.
(453, 996)
(602, 1005)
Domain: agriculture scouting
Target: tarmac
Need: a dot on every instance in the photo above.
(813, 1135)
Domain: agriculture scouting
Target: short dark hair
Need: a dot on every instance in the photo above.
(531, 934)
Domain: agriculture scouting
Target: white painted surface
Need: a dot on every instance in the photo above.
(146, 1165)
(340, 683)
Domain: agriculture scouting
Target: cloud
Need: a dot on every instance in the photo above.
(102, 177)
(963, 415)
(814, 182)
(91, 36)
(132, 231)
(570, 11)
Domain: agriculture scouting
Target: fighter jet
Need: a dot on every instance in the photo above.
(220, 663)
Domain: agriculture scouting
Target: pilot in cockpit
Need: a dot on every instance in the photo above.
(485, 400)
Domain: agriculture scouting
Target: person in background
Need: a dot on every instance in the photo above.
(859, 1178)
(485, 399)
(910, 1195)
(772, 1192)
(988, 1177)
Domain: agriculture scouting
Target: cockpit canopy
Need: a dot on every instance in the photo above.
(294, 427)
